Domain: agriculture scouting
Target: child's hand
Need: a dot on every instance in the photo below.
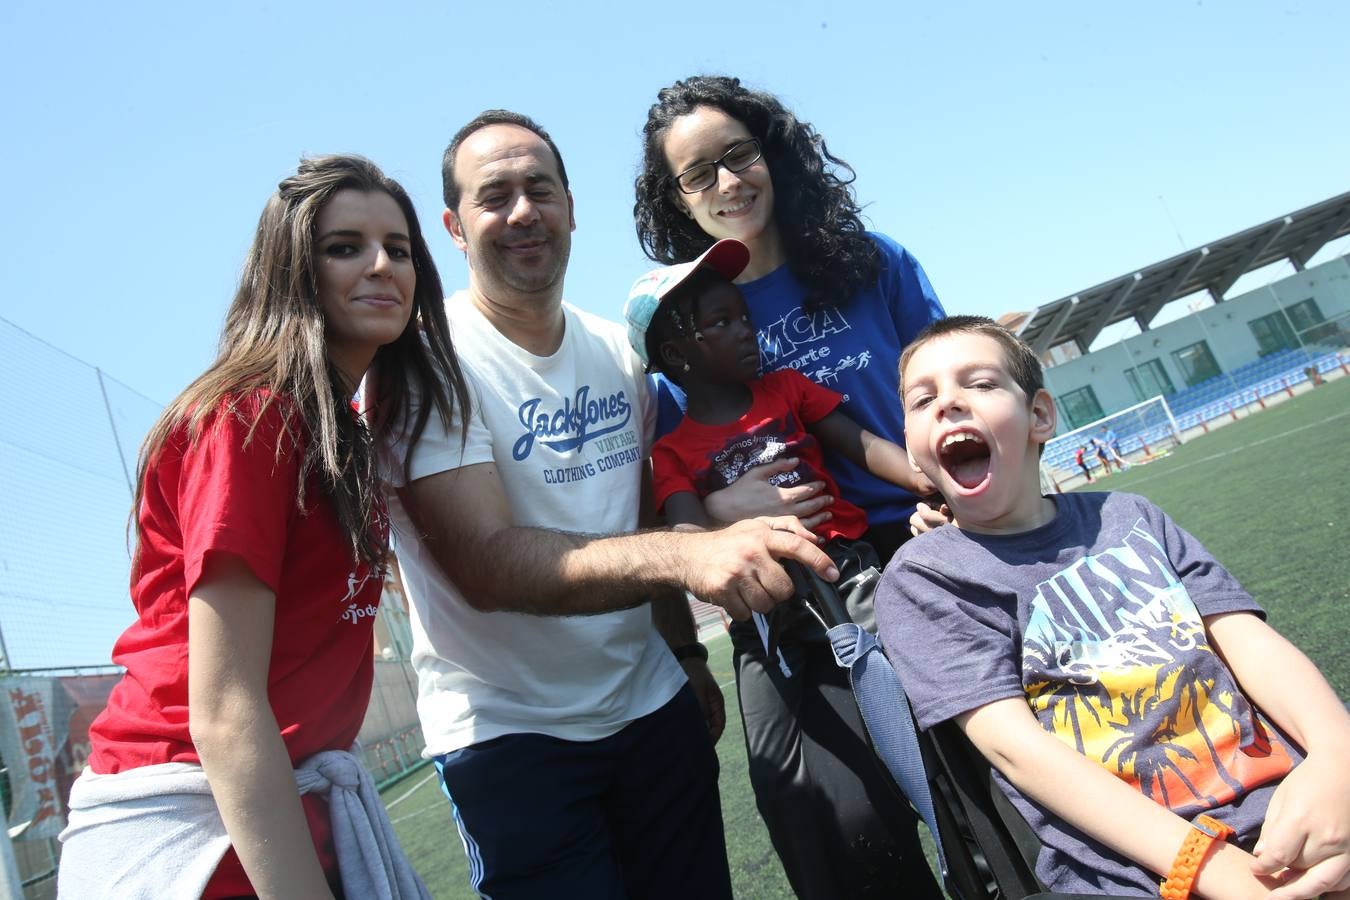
(926, 517)
(755, 494)
(1307, 830)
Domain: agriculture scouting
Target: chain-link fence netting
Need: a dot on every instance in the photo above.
(68, 453)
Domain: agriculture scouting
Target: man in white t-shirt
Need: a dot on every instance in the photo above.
(552, 693)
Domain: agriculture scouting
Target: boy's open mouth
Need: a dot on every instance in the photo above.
(965, 457)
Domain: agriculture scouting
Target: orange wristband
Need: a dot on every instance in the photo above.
(1204, 832)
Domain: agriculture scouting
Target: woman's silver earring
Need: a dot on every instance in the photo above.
(686, 367)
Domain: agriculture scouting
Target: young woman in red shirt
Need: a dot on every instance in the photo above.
(261, 544)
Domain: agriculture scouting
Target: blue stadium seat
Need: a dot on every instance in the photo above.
(1214, 397)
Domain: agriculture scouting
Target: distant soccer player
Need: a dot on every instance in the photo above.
(1082, 463)
(1112, 445)
(1099, 449)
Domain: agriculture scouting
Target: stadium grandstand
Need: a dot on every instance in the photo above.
(1109, 350)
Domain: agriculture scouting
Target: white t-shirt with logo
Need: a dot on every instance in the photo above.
(569, 434)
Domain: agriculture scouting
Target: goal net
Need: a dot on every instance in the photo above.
(1139, 434)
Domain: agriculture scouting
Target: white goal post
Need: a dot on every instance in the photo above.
(1141, 432)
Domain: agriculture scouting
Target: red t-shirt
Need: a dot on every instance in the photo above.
(703, 458)
(225, 496)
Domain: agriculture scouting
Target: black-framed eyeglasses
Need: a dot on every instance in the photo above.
(704, 175)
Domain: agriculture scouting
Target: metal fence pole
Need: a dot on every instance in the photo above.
(11, 887)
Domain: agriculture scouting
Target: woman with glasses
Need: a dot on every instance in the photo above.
(837, 303)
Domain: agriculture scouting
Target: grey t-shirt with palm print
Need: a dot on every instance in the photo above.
(1096, 618)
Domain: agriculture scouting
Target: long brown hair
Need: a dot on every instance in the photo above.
(273, 342)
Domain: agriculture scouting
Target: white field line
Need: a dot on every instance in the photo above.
(1264, 440)
(426, 809)
(410, 791)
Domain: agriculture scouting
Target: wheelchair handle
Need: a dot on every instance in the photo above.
(818, 594)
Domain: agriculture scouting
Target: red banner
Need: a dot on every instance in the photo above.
(30, 752)
(44, 739)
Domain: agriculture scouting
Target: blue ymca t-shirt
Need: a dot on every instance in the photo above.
(853, 349)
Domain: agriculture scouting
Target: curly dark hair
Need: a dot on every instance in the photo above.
(814, 206)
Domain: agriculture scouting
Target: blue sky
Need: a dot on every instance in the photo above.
(1022, 151)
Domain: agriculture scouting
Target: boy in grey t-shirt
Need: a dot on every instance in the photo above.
(1101, 659)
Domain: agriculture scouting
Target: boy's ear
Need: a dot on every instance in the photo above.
(1043, 416)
